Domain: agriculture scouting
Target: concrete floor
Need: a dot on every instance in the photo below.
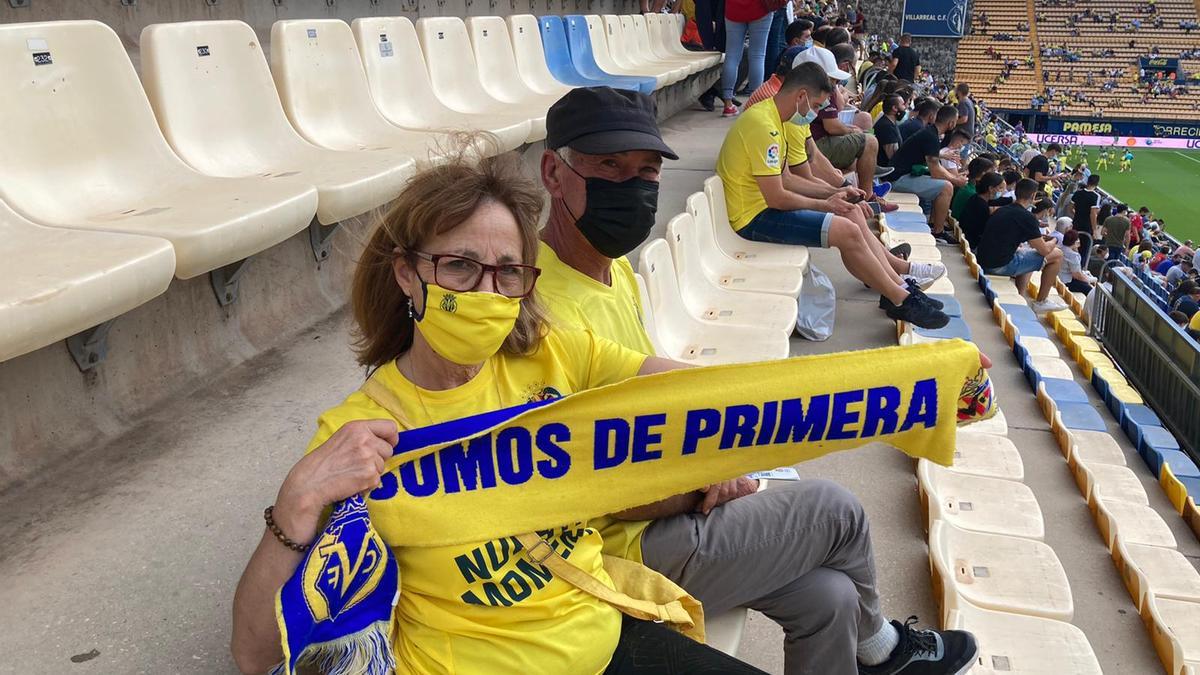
(125, 560)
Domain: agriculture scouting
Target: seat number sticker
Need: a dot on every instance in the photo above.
(385, 48)
(42, 59)
(202, 50)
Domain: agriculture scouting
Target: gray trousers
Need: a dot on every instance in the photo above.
(799, 552)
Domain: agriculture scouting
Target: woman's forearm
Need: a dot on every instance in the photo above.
(255, 643)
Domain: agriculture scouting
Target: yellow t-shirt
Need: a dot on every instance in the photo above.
(612, 312)
(757, 144)
(877, 110)
(1194, 324)
(480, 608)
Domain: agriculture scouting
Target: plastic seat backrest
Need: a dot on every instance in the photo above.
(634, 41)
(648, 321)
(558, 53)
(580, 41)
(78, 123)
(617, 49)
(494, 56)
(526, 37)
(200, 75)
(601, 52)
(452, 67)
(658, 269)
(698, 206)
(397, 76)
(321, 81)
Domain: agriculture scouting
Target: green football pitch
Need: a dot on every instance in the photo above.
(1165, 181)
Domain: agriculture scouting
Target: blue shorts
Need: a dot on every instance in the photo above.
(926, 188)
(798, 228)
(1024, 261)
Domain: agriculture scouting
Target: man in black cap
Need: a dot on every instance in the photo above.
(799, 552)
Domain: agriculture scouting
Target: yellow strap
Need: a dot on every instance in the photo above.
(539, 551)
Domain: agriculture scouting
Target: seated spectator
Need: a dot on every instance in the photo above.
(1179, 272)
(951, 153)
(1186, 249)
(846, 146)
(1001, 251)
(799, 34)
(976, 168)
(1179, 319)
(795, 580)
(978, 208)
(887, 133)
(1072, 273)
(1116, 231)
(1163, 253)
(922, 116)
(440, 364)
(1166, 265)
(1011, 178)
(1188, 300)
(767, 203)
(918, 170)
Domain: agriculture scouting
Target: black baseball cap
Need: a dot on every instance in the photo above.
(603, 120)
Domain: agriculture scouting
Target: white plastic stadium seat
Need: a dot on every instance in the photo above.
(995, 425)
(623, 50)
(992, 571)
(1132, 523)
(987, 455)
(225, 85)
(635, 42)
(60, 282)
(688, 339)
(665, 33)
(1163, 572)
(399, 84)
(324, 91)
(723, 632)
(602, 53)
(650, 49)
(711, 303)
(1175, 631)
(455, 76)
(648, 322)
(979, 504)
(1015, 644)
(1095, 447)
(497, 64)
(1115, 482)
(531, 59)
(721, 270)
(753, 252)
(81, 149)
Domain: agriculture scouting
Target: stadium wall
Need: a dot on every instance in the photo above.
(937, 54)
(51, 412)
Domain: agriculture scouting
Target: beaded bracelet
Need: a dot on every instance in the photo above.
(268, 515)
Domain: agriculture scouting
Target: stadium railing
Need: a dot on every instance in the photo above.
(1157, 356)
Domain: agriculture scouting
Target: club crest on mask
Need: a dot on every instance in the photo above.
(449, 303)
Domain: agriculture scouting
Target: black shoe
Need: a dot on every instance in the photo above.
(737, 102)
(902, 251)
(918, 312)
(914, 289)
(927, 652)
(708, 102)
(946, 237)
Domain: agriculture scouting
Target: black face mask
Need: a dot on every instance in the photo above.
(618, 216)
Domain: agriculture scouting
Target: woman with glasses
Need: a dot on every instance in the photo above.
(449, 322)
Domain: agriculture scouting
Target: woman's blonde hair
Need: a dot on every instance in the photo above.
(438, 200)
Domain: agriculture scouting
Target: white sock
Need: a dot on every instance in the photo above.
(877, 648)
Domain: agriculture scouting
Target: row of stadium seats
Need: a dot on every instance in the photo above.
(1164, 586)
(111, 186)
(992, 573)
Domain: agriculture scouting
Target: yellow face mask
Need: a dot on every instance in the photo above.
(468, 327)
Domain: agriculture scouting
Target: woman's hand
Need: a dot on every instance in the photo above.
(349, 462)
(726, 491)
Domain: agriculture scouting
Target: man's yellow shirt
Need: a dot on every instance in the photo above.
(758, 144)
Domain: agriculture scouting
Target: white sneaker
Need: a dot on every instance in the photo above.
(1049, 305)
(925, 274)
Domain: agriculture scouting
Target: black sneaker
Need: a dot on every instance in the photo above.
(885, 303)
(918, 312)
(902, 251)
(708, 102)
(913, 288)
(946, 237)
(927, 652)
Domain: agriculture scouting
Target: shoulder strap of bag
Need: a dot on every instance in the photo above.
(539, 551)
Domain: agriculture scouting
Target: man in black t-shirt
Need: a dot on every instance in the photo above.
(1000, 250)
(919, 118)
(886, 131)
(934, 186)
(905, 63)
(1085, 205)
(1039, 166)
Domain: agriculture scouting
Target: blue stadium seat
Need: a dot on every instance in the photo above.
(1029, 328)
(1019, 312)
(957, 328)
(558, 54)
(1181, 465)
(907, 226)
(1064, 391)
(1153, 444)
(580, 43)
(1081, 416)
(950, 305)
(1133, 418)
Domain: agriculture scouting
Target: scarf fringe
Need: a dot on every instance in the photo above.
(367, 652)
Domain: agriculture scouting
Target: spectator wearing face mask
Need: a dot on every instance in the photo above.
(1072, 273)
(975, 169)
(977, 207)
